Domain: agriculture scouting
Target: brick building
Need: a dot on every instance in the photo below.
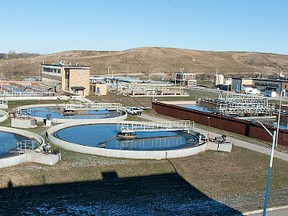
(70, 78)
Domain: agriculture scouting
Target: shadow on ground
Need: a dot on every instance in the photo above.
(166, 194)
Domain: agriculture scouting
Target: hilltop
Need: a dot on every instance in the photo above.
(164, 62)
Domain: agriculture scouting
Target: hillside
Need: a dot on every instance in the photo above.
(164, 61)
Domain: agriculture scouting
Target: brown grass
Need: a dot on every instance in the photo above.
(164, 62)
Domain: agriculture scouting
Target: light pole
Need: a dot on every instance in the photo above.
(127, 71)
(279, 114)
(182, 72)
(149, 67)
(193, 60)
(109, 67)
(40, 72)
(175, 77)
(7, 70)
(270, 167)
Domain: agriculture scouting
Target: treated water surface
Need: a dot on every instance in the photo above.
(95, 134)
(8, 143)
(55, 113)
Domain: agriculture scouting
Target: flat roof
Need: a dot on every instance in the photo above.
(261, 79)
(66, 65)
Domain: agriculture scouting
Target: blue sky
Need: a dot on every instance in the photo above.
(47, 26)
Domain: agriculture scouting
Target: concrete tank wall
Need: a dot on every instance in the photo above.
(59, 121)
(12, 161)
(15, 160)
(120, 153)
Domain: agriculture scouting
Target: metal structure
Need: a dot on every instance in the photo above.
(95, 106)
(26, 89)
(26, 145)
(270, 165)
(234, 125)
(148, 89)
(155, 141)
(239, 105)
(157, 126)
(3, 104)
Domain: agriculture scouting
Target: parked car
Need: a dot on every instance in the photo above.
(134, 110)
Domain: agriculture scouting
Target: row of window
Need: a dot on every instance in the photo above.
(51, 70)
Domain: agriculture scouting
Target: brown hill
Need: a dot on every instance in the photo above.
(164, 62)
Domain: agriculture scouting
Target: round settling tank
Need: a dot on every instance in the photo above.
(105, 139)
(60, 114)
(105, 135)
(9, 141)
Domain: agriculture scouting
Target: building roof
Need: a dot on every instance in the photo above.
(70, 65)
(78, 88)
(262, 79)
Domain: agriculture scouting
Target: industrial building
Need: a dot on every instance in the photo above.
(268, 87)
(98, 89)
(70, 78)
(182, 78)
(222, 83)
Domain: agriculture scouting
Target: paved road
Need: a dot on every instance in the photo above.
(278, 211)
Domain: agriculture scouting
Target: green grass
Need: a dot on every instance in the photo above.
(15, 104)
(207, 83)
(6, 123)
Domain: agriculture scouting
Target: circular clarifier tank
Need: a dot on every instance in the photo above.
(55, 112)
(105, 135)
(8, 143)
(58, 113)
(143, 141)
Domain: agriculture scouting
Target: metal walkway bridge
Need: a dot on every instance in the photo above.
(96, 106)
(156, 126)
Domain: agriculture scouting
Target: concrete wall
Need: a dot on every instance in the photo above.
(49, 159)
(39, 98)
(37, 137)
(34, 157)
(23, 122)
(112, 119)
(120, 153)
(4, 116)
(12, 161)
(226, 147)
(15, 160)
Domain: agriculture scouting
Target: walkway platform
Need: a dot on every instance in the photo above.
(155, 126)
